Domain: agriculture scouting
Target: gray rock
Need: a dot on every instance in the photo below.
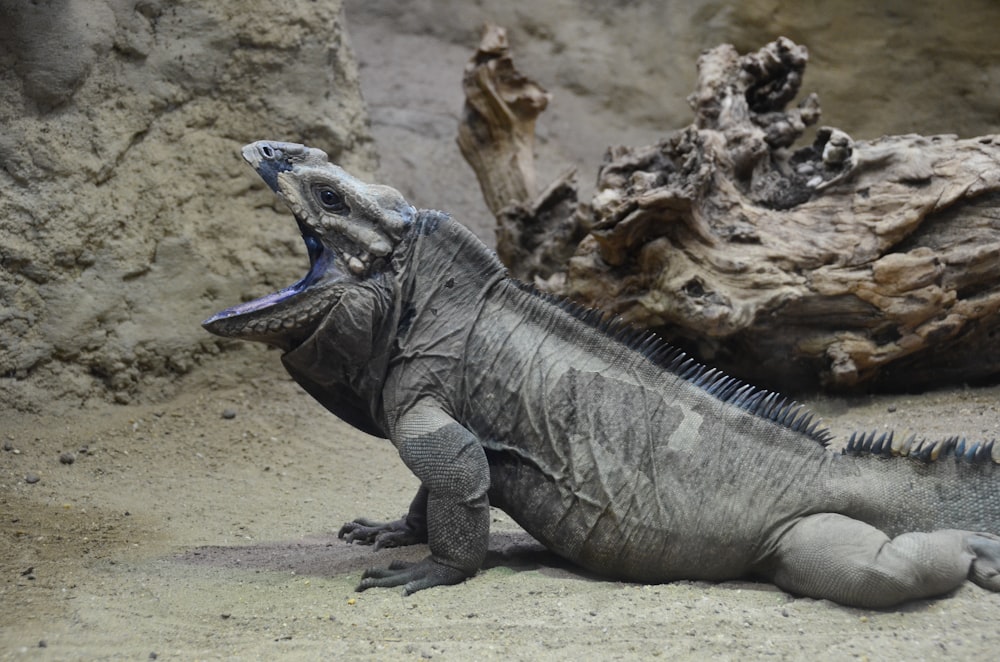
(119, 179)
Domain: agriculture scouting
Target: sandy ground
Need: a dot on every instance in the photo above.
(205, 528)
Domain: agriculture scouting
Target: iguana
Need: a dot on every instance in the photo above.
(615, 451)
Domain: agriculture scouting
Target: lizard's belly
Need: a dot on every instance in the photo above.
(630, 535)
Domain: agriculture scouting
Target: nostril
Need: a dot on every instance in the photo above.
(266, 151)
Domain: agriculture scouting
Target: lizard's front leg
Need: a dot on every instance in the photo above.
(451, 465)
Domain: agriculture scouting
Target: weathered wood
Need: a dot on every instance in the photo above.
(843, 263)
(498, 127)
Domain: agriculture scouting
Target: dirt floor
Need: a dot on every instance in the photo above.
(205, 528)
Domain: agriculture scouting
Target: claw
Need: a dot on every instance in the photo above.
(412, 577)
(382, 534)
(361, 530)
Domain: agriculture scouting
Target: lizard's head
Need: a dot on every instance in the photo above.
(350, 230)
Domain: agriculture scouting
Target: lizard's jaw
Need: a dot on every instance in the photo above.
(283, 317)
(279, 317)
(349, 228)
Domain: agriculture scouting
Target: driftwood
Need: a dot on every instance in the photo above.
(843, 263)
(539, 233)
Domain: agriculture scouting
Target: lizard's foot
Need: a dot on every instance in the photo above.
(412, 577)
(985, 569)
(383, 534)
(831, 556)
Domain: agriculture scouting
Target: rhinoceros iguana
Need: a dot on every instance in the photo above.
(614, 450)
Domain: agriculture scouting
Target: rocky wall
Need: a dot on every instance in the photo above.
(126, 214)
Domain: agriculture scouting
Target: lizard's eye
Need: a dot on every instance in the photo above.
(330, 200)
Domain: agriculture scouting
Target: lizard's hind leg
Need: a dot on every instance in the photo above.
(842, 559)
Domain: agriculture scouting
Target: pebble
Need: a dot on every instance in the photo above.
(31, 479)
(67, 458)
(228, 414)
(7, 446)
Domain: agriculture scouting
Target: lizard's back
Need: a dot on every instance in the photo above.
(617, 462)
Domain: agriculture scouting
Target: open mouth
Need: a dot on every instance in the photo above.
(298, 304)
(319, 264)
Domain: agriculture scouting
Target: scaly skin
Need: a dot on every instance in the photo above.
(616, 452)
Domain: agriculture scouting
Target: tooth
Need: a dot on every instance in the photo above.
(380, 246)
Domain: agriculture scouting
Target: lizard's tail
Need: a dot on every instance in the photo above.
(915, 485)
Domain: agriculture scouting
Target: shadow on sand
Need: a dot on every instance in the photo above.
(328, 556)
